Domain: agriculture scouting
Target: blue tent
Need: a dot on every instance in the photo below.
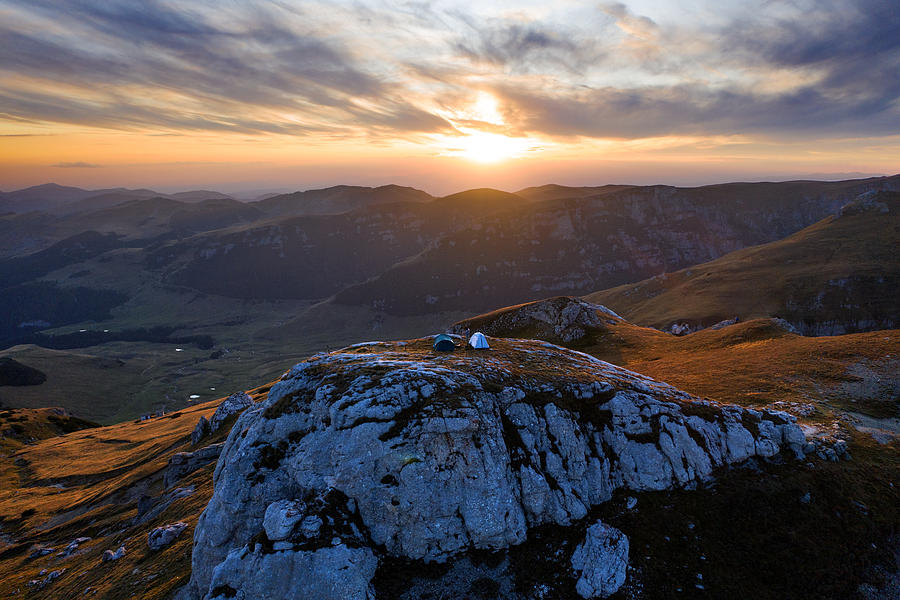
(443, 343)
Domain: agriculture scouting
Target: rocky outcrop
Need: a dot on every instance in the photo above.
(185, 463)
(109, 555)
(600, 561)
(201, 430)
(161, 537)
(389, 449)
(231, 405)
(561, 320)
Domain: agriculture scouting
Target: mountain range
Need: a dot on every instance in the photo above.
(242, 287)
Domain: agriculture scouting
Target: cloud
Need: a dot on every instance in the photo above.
(807, 68)
(527, 47)
(76, 165)
(121, 58)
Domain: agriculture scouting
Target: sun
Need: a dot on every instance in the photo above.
(484, 147)
(478, 125)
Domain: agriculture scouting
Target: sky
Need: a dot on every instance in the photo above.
(246, 95)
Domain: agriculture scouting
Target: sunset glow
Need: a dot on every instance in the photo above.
(308, 93)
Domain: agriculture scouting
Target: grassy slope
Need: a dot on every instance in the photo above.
(87, 484)
(20, 426)
(766, 280)
(749, 534)
(756, 363)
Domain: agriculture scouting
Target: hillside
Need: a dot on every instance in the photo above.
(216, 293)
(323, 253)
(753, 363)
(576, 245)
(107, 484)
(840, 275)
(22, 426)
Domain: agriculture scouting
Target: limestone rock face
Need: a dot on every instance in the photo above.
(231, 405)
(329, 573)
(601, 561)
(390, 447)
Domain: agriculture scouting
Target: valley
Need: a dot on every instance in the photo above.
(197, 290)
(140, 331)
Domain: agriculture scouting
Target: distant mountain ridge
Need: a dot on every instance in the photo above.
(840, 275)
(338, 199)
(577, 245)
(59, 199)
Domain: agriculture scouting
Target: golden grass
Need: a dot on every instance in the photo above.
(752, 363)
(761, 281)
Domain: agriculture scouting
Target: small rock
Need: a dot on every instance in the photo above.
(201, 430)
(630, 502)
(109, 555)
(806, 498)
(165, 535)
(601, 561)
(50, 578)
(73, 545)
(40, 551)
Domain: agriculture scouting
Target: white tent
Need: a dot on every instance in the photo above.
(478, 340)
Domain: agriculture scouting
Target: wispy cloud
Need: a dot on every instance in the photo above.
(813, 68)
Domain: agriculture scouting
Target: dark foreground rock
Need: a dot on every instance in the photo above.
(388, 451)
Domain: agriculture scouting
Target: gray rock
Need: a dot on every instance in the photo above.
(109, 555)
(332, 573)
(200, 431)
(530, 434)
(73, 545)
(50, 578)
(724, 324)
(232, 405)
(185, 463)
(281, 516)
(163, 536)
(41, 551)
(600, 561)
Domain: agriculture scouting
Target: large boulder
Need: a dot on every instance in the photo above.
(600, 561)
(388, 448)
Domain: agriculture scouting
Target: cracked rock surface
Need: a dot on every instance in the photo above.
(389, 448)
